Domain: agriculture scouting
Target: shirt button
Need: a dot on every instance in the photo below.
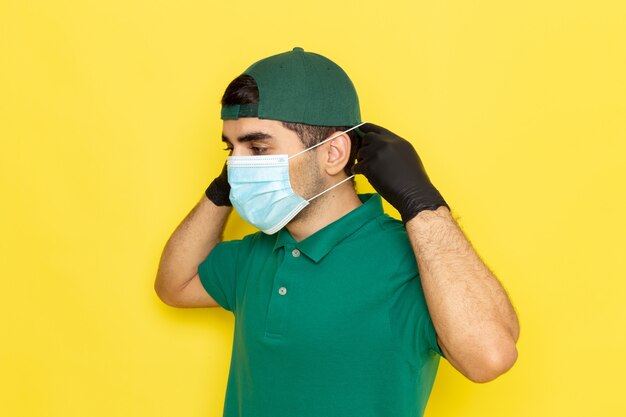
(282, 290)
(295, 253)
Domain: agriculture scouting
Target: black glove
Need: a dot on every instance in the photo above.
(396, 172)
(219, 190)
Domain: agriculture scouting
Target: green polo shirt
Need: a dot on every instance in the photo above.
(335, 325)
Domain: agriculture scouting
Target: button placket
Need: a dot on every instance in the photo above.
(280, 294)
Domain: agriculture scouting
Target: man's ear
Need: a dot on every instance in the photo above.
(337, 154)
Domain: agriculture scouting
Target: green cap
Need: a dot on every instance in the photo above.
(300, 87)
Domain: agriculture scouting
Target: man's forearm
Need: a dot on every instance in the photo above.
(469, 308)
(189, 245)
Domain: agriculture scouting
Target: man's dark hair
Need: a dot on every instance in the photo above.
(244, 90)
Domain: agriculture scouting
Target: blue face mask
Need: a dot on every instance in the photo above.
(261, 192)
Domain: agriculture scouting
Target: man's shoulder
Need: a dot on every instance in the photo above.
(383, 245)
(386, 230)
(248, 242)
(388, 226)
(234, 251)
(391, 224)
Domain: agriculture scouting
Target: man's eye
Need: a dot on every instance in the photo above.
(256, 149)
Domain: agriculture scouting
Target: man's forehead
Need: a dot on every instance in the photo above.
(250, 123)
(253, 128)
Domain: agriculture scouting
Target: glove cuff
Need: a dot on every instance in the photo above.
(412, 207)
(218, 193)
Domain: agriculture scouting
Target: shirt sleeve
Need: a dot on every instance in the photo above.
(409, 317)
(429, 333)
(218, 273)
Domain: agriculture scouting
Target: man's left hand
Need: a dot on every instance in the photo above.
(396, 172)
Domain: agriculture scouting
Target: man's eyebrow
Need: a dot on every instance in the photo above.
(248, 137)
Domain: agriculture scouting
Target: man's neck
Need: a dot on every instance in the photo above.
(324, 210)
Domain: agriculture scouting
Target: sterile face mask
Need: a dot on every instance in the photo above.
(261, 192)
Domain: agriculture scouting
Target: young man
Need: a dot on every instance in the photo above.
(340, 310)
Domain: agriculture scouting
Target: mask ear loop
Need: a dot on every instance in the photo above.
(321, 143)
(326, 140)
(339, 183)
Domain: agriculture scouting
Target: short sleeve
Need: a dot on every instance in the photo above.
(409, 317)
(429, 333)
(218, 273)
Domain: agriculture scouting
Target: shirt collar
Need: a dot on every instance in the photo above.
(321, 242)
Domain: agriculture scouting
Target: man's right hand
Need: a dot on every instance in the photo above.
(219, 190)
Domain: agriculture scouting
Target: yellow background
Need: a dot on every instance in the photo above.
(109, 121)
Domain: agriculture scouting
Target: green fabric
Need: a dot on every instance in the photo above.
(301, 87)
(235, 111)
(350, 336)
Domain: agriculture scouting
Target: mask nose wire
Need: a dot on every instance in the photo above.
(324, 141)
